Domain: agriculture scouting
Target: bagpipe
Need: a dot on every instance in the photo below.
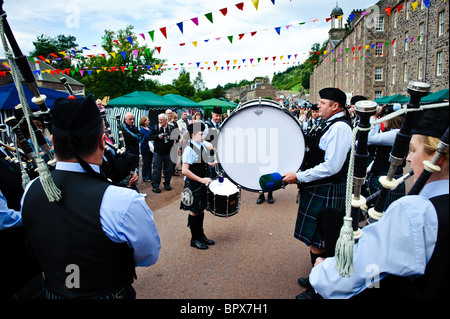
(350, 231)
(20, 68)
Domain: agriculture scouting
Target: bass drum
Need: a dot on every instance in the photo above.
(259, 137)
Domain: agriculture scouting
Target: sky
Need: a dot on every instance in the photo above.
(88, 19)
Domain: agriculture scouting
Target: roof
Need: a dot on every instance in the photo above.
(181, 101)
(143, 100)
(45, 76)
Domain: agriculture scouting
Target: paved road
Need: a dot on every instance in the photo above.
(255, 255)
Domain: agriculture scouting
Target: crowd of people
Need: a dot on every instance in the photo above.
(114, 230)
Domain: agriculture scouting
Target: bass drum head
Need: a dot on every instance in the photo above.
(259, 137)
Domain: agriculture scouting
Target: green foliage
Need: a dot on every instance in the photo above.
(45, 45)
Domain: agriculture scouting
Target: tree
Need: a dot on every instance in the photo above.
(122, 69)
(199, 84)
(44, 46)
(183, 84)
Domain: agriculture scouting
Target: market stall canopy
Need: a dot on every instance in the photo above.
(181, 101)
(208, 105)
(438, 96)
(9, 97)
(397, 98)
(143, 100)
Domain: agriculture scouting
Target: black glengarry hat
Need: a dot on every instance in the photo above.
(431, 122)
(334, 94)
(217, 110)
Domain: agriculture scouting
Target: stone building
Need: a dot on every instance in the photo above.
(383, 52)
(260, 88)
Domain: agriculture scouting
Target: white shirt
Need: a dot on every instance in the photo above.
(401, 243)
(125, 218)
(336, 142)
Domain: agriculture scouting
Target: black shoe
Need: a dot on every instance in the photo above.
(167, 187)
(198, 244)
(308, 294)
(270, 200)
(206, 241)
(261, 199)
(156, 190)
(304, 282)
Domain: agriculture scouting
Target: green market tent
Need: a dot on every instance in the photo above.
(140, 103)
(381, 99)
(181, 101)
(438, 96)
(208, 106)
(397, 98)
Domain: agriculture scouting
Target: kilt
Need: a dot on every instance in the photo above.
(373, 185)
(199, 192)
(312, 199)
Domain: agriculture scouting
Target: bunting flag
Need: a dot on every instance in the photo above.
(240, 6)
(256, 3)
(180, 26)
(164, 31)
(414, 5)
(224, 11)
(209, 16)
(195, 20)
(152, 35)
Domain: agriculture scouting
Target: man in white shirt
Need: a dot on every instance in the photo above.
(323, 174)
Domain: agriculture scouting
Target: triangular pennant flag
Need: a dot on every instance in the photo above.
(273, 1)
(182, 44)
(142, 35)
(351, 17)
(135, 52)
(241, 35)
(152, 35)
(360, 47)
(399, 7)
(230, 37)
(215, 62)
(224, 11)
(122, 68)
(89, 72)
(147, 51)
(123, 54)
(256, 3)
(367, 46)
(259, 59)
(113, 68)
(414, 5)
(195, 20)
(180, 26)
(235, 61)
(113, 54)
(209, 16)
(81, 72)
(426, 3)
(198, 64)
(194, 43)
(130, 39)
(278, 29)
(240, 6)
(164, 31)
(388, 10)
(158, 49)
(340, 18)
(328, 19)
(253, 33)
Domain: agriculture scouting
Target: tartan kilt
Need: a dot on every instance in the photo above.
(199, 191)
(312, 199)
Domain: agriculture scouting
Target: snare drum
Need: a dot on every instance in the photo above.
(259, 137)
(223, 198)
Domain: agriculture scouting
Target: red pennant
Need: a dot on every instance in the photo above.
(274, 58)
(158, 49)
(253, 33)
(327, 19)
(57, 71)
(266, 58)
(224, 11)
(388, 10)
(113, 68)
(359, 48)
(164, 32)
(215, 62)
(241, 35)
(122, 68)
(41, 57)
(399, 7)
(240, 6)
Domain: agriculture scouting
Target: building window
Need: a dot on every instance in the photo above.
(441, 23)
(439, 63)
(393, 75)
(379, 49)
(378, 73)
(394, 49)
(406, 41)
(405, 72)
(380, 24)
(407, 10)
(378, 94)
(395, 19)
(421, 32)
(419, 68)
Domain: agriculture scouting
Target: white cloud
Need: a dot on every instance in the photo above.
(29, 19)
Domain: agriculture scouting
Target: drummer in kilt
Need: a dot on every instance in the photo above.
(323, 174)
(195, 169)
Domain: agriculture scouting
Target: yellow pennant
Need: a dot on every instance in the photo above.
(63, 53)
(194, 43)
(157, 66)
(255, 3)
(367, 46)
(113, 54)
(414, 5)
